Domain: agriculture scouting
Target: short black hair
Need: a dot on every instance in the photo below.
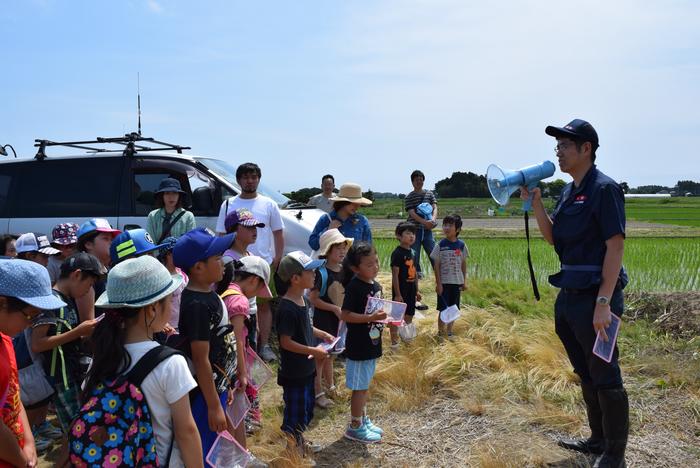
(417, 173)
(66, 272)
(337, 206)
(161, 204)
(579, 143)
(85, 238)
(14, 303)
(3, 242)
(328, 176)
(453, 219)
(248, 168)
(403, 227)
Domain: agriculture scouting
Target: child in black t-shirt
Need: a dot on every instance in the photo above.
(363, 344)
(404, 280)
(204, 327)
(327, 299)
(296, 372)
(57, 334)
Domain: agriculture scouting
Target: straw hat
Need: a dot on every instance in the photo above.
(351, 193)
(330, 238)
(137, 282)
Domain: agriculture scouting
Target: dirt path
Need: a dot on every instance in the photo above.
(502, 223)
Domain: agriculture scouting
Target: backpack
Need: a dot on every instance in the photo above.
(114, 427)
(321, 292)
(234, 292)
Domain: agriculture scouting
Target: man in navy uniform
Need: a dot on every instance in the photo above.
(587, 229)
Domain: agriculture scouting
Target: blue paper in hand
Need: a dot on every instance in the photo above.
(602, 349)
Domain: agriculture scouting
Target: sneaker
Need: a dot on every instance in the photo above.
(395, 346)
(362, 434)
(311, 447)
(421, 306)
(369, 425)
(42, 445)
(267, 354)
(322, 401)
(48, 431)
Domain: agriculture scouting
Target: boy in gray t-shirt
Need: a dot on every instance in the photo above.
(450, 266)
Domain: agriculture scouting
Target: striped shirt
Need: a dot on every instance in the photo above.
(414, 199)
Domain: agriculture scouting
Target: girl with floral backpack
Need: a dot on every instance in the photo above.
(137, 409)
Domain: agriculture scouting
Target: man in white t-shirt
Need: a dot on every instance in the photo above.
(270, 242)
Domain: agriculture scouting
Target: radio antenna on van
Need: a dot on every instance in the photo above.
(138, 97)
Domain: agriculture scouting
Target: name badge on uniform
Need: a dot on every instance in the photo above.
(579, 200)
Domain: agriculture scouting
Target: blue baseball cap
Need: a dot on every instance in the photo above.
(130, 244)
(197, 245)
(28, 282)
(96, 224)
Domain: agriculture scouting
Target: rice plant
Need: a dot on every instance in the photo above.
(653, 264)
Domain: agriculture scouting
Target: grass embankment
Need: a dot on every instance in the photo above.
(495, 395)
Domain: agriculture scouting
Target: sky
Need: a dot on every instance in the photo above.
(365, 90)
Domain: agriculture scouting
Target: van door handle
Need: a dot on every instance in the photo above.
(128, 227)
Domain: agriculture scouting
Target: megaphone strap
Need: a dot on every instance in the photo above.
(533, 280)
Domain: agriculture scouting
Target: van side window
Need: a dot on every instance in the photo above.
(144, 189)
(147, 174)
(81, 187)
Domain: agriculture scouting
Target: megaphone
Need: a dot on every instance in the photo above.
(502, 183)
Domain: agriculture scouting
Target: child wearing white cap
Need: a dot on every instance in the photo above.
(35, 248)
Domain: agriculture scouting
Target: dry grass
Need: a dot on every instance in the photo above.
(498, 394)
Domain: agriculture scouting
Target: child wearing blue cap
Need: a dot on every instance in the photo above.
(205, 332)
(130, 244)
(94, 237)
(24, 290)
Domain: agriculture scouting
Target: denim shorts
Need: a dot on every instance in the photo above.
(358, 374)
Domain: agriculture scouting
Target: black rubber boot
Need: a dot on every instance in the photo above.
(595, 443)
(615, 407)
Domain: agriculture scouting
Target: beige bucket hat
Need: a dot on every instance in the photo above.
(351, 193)
(330, 238)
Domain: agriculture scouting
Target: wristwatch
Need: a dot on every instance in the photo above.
(603, 300)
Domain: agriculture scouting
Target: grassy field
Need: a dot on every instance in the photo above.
(652, 264)
(498, 393)
(678, 210)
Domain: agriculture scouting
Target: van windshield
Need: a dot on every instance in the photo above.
(228, 172)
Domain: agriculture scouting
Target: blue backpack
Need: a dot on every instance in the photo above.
(425, 210)
(114, 427)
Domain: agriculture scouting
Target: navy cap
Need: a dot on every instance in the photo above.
(130, 244)
(197, 245)
(169, 185)
(84, 262)
(577, 129)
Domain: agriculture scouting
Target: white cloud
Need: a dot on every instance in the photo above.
(154, 6)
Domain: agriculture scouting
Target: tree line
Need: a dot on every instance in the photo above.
(471, 185)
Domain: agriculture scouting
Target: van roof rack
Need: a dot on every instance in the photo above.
(130, 141)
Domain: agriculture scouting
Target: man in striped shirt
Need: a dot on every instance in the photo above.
(424, 224)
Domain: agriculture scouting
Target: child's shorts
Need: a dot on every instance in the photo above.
(450, 296)
(358, 374)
